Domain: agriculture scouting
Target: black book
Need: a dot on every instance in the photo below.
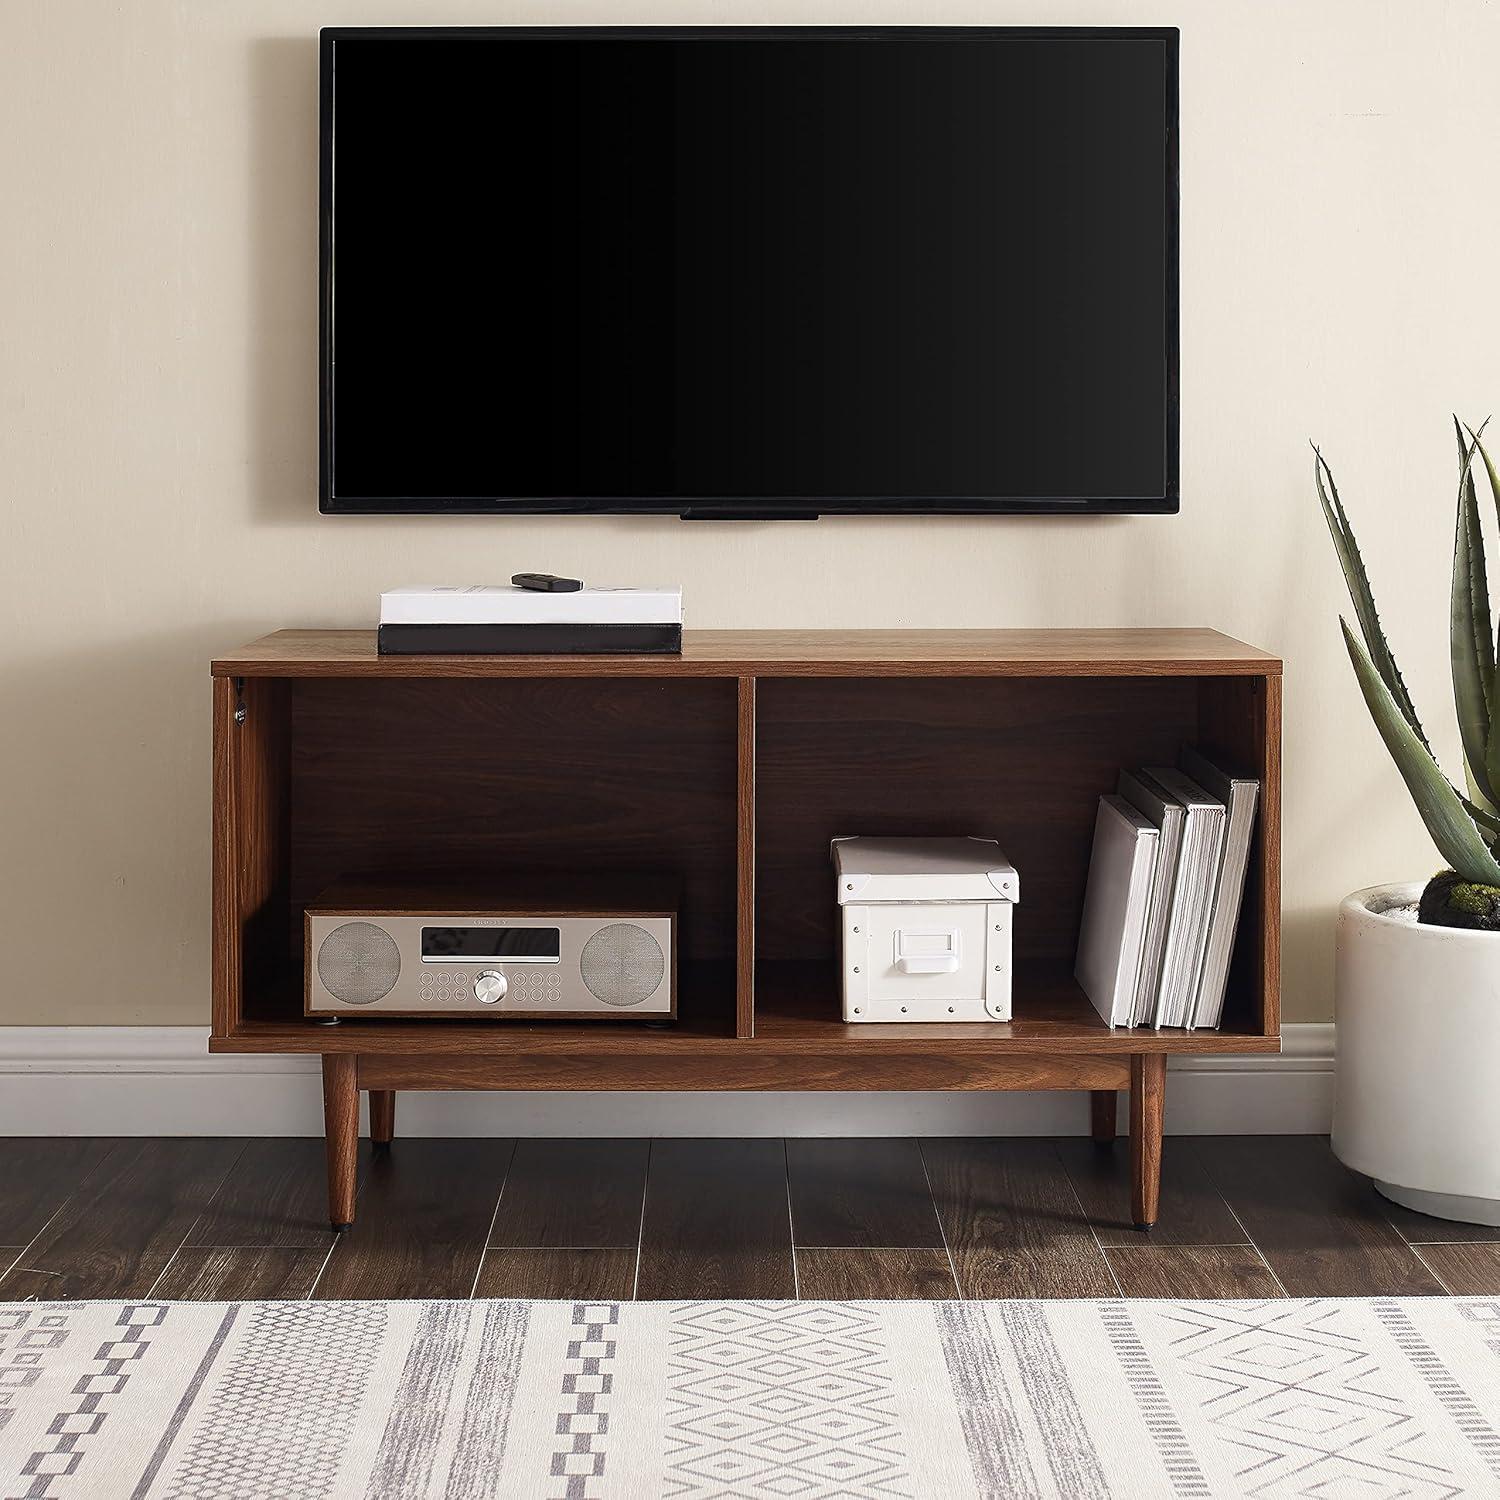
(556, 639)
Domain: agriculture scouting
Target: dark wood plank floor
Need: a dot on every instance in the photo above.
(222, 1219)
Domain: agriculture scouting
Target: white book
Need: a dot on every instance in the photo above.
(508, 604)
(1239, 794)
(1192, 897)
(1112, 934)
(1148, 795)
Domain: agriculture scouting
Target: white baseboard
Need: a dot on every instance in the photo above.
(160, 1080)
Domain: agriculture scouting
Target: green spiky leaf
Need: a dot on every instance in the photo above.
(1476, 440)
(1492, 749)
(1452, 829)
(1471, 635)
(1363, 596)
(1486, 817)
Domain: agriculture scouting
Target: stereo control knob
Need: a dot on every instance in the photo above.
(490, 987)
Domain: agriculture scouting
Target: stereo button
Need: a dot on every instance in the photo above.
(490, 987)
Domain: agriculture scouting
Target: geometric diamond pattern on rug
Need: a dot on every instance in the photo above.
(1485, 1318)
(1295, 1390)
(780, 1399)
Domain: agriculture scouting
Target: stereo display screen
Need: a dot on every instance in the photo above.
(457, 944)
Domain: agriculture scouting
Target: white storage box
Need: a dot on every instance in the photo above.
(926, 928)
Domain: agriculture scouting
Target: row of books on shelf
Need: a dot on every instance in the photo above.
(1167, 875)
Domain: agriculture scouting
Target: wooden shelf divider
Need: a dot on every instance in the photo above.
(744, 948)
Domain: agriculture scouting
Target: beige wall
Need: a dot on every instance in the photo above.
(157, 438)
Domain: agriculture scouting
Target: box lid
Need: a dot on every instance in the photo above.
(947, 869)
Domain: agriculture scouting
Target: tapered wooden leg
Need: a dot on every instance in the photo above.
(1148, 1092)
(1102, 1104)
(341, 1134)
(382, 1116)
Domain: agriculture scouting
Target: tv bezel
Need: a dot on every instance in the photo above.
(735, 507)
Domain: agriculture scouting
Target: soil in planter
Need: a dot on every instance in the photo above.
(1451, 901)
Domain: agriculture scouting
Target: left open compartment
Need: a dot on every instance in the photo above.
(486, 778)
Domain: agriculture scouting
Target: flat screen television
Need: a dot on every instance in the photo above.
(758, 272)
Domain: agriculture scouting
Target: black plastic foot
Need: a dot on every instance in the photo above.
(340, 1228)
(1145, 1228)
(380, 1147)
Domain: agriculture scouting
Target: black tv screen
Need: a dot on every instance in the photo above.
(758, 272)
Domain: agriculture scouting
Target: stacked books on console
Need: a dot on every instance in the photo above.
(504, 620)
(1171, 847)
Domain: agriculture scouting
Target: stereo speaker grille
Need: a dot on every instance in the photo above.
(359, 963)
(622, 964)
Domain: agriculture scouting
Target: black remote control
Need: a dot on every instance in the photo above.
(546, 583)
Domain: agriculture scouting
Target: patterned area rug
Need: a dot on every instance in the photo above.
(553, 1399)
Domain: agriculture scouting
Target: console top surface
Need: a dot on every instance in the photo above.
(1187, 652)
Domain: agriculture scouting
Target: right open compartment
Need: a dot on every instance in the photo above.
(1022, 759)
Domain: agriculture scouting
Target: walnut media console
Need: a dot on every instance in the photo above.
(731, 766)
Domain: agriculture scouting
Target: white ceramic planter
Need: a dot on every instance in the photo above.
(1418, 1017)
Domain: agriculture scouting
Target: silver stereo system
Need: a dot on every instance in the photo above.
(374, 952)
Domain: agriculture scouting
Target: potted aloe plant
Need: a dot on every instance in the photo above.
(1417, 994)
